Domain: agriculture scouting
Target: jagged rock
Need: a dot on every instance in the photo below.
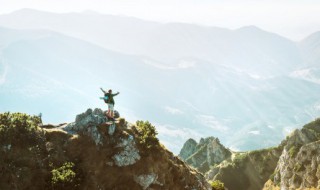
(188, 149)
(299, 164)
(117, 163)
(129, 153)
(216, 153)
(208, 152)
(211, 173)
(145, 180)
(95, 134)
(111, 129)
(88, 123)
(116, 114)
(300, 170)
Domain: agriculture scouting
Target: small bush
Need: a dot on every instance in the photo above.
(147, 134)
(217, 185)
(19, 120)
(314, 125)
(63, 175)
(271, 177)
(275, 178)
(240, 158)
(293, 151)
(298, 167)
(15, 126)
(297, 179)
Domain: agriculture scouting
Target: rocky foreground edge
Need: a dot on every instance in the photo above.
(89, 153)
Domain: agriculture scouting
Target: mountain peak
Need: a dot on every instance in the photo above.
(314, 37)
(89, 153)
(249, 28)
(28, 11)
(204, 154)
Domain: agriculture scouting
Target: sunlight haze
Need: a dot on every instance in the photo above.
(290, 18)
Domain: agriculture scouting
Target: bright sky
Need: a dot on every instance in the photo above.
(294, 19)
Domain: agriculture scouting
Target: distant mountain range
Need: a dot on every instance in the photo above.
(248, 87)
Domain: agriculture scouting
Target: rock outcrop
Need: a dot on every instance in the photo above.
(87, 123)
(188, 149)
(85, 155)
(299, 163)
(206, 153)
(294, 164)
(129, 154)
(145, 180)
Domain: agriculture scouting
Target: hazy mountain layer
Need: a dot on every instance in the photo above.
(247, 87)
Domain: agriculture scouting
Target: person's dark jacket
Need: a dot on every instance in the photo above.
(110, 97)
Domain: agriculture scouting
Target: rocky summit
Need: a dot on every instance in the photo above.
(89, 153)
(202, 155)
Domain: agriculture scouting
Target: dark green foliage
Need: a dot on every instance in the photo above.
(275, 178)
(22, 146)
(64, 176)
(297, 179)
(217, 185)
(147, 134)
(314, 125)
(272, 176)
(15, 126)
(19, 121)
(239, 159)
(298, 167)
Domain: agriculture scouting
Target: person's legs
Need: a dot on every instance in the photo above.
(111, 110)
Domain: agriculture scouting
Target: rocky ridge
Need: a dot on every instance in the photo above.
(206, 153)
(90, 153)
(294, 164)
(299, 164)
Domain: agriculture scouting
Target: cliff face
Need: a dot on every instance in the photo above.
(89, 153)
(188, 149)
(238, 171)
(299, 163)
(247, 170)
(206, 153)
(294, 164)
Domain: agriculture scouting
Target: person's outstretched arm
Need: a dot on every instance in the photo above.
(103, 90)
(116, 94)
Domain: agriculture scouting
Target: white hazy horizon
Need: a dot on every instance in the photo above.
(290, 18)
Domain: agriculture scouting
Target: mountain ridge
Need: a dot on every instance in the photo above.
(89, 153)
(293, 164)
(208, 97)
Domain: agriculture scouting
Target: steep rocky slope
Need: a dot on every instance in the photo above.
(246, 170)
(299, 163)
(89, 153)
(294, 164)
(206, 153)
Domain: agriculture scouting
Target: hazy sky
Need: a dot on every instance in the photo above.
(294, 19)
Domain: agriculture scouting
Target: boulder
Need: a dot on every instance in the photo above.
(145, 180)
(129, 154)
(87, 123)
